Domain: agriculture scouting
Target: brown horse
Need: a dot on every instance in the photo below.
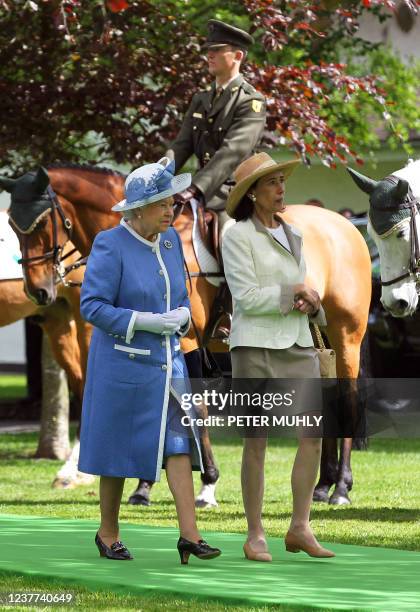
(82, 191)
(69, 337)
(338, 267)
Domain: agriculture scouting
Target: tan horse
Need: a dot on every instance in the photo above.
(338, 267)
(69, 338)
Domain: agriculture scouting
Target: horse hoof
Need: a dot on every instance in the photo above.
(206, 497)
(203, 503)
(321, 495)
(339, 500)
(138, 500)
(63, 483)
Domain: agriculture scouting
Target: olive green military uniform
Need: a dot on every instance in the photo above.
(221, 135)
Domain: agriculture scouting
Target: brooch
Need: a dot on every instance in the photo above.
(168, 244)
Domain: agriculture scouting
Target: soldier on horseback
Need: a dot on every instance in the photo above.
(222, 127)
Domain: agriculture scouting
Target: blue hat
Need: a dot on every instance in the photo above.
(151, 183)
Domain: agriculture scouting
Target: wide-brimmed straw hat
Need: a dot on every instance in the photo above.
(151, 183)
(252, 169)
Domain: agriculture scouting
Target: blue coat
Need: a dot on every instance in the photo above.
(128, 383)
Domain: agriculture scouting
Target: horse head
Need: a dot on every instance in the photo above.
(33, 217)
(394, 225)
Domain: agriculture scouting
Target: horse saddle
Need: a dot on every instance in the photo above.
(218, 326)
(208, 224)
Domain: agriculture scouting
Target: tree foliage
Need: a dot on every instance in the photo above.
(110, 79)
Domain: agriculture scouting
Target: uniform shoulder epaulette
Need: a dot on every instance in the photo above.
(248, 88)
(252, 92)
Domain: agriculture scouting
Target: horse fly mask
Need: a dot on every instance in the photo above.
(32, 200)
(385, 223)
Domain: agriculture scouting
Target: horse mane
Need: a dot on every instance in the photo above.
(86, 168)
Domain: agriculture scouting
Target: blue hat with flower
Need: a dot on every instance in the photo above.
(151, 183)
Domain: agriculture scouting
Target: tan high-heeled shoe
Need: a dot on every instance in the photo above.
(254, 555)
(295, 544)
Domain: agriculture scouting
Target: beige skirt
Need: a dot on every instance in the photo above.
(293, 362)
(283, 371)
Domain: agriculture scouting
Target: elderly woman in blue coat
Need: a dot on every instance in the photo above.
(134, 294)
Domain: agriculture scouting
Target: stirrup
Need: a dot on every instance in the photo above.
(219, 331)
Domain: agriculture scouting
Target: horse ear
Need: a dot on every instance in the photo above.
(7, 183)
(364, 183)
(401, 190)
(42, 180)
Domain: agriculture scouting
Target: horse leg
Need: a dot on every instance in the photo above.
(206, 497)
(141, 496)
(328, 470)
(344, 483)
(61, 332)
(346, 341)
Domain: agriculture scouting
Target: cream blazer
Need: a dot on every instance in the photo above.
(261, 273)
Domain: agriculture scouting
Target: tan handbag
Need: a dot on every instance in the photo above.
(327, 362)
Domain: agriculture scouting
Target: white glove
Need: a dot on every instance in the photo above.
(157, 323)
(182, 315)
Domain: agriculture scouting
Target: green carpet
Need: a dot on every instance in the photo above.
(358, 578)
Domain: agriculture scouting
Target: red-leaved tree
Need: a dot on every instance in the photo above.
(111, 79)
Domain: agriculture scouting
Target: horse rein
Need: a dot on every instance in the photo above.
(414, 263)
(56, 253)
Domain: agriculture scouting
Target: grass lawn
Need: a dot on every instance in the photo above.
(12, 386)
(385, 510)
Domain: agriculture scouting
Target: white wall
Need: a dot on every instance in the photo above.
(12, 343)
(389, 32)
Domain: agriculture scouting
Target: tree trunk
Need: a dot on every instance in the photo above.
(54, 434)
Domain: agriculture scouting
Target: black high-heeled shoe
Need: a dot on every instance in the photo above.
(200, 549)
(116, 551)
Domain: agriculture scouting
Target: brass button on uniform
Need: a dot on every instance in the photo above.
(163, 342)
(132, 355)
(210, 120)
(165, 295)
(161, 272)
(164, 367)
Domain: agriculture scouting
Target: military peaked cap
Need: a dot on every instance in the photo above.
(220, 34)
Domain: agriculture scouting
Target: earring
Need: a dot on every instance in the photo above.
(252, 197)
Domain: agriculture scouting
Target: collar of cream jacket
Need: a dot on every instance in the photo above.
(292, 233)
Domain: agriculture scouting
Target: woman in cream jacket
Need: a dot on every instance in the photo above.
(270, 336)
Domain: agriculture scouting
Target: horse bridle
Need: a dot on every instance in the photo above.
(56, 253)
(413, 204)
